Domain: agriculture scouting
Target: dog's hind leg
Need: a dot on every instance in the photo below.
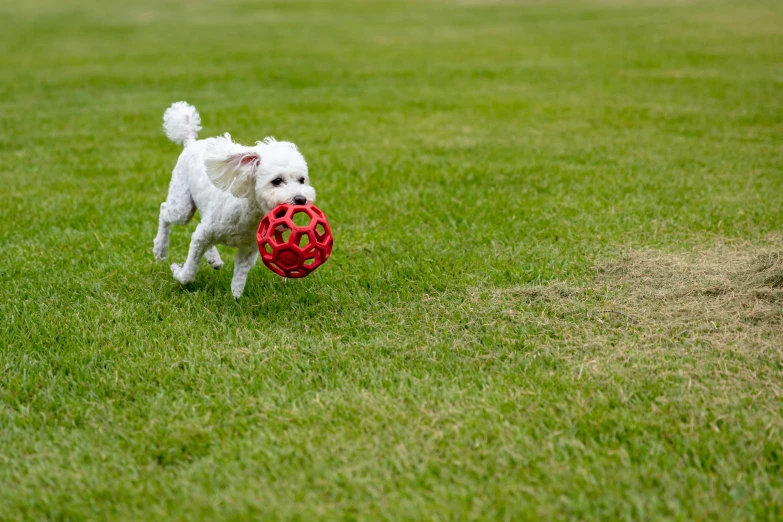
(199, 244)
(213, 258)
(160, 246)
(177, 209)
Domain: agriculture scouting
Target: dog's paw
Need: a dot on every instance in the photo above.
(213, 258)
(176, 270)
(160, 251)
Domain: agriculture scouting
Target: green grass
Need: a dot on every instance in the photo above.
(458, 149)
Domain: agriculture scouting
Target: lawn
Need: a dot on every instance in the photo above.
(556, 290)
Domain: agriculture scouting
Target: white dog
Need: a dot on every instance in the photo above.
(232, 186)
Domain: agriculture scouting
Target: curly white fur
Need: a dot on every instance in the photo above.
(232, 186)
(231, 167)
(182, 123)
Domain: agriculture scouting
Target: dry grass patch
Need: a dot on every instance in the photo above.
(727, 298)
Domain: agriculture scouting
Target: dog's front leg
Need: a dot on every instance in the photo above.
(199, 243)
(246, 259)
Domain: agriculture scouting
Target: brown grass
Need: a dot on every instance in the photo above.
(725, 298)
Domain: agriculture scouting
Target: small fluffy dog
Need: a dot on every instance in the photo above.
(232, 186)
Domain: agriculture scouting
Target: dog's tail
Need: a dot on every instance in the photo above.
(182, 122)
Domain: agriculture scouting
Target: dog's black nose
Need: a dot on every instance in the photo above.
(300, 200)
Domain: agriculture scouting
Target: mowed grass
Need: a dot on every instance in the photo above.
(462, 151)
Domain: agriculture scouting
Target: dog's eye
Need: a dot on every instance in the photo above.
(277, 182)
(301, 180)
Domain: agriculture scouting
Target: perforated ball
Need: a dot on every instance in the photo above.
(294, 240)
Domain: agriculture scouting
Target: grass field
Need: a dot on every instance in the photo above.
(556, 290)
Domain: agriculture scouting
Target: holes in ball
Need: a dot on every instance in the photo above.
(304, 240)
(282, 236)
(268, 248)
(301, 219)
(309, 261)
(281, 213)
(321, 235)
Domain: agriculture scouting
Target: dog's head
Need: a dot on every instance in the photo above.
(272, 172)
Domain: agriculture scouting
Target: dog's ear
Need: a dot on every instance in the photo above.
(232, 167)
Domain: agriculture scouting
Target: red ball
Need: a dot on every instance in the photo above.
(291, 250)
